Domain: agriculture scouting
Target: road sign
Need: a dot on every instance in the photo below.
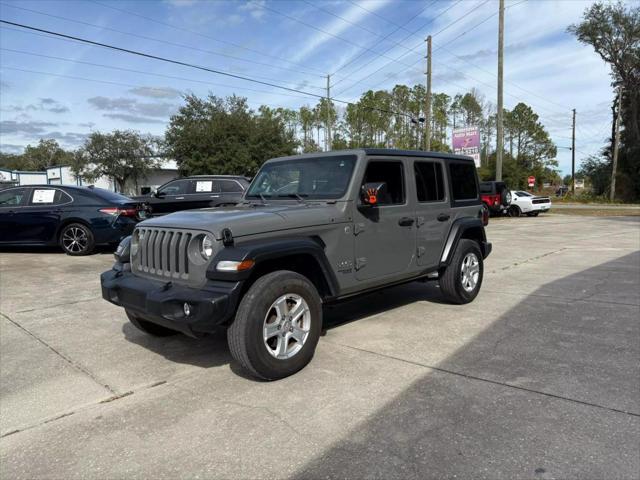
(532, 181)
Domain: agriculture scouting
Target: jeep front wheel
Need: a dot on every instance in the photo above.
(277, 326)
(461, 280)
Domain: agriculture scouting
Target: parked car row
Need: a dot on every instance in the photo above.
(80, 218)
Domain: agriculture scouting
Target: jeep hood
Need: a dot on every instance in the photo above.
(251, 219)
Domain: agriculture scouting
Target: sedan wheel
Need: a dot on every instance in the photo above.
(77, 239)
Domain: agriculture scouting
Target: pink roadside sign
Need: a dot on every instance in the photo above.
(466, 141)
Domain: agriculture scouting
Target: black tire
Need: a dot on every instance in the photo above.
(245, 335)
(149, 327)
(505, 197)
(76, 239)
(535, 214)
(451, 283)
(514, 211)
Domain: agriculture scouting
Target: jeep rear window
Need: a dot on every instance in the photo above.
(315, 177)
(463, 181)
(486, 187)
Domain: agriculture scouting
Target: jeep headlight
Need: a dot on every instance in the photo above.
(123, 251)
(135, 243)
(206, 247)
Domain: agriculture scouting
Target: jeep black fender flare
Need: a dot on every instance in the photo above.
(464, 228)
(261, 251)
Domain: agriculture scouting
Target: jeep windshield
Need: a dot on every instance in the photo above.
(306, 178)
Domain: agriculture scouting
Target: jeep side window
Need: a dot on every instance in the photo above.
(429, 183)
(463, 181)
(392, 174)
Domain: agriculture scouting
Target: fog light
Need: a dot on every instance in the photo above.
(187, 309)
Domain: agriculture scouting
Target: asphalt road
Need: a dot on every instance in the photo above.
(538, 378)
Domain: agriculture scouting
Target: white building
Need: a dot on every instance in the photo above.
(63, 175)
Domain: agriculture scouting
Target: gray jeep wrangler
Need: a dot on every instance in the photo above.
(311, 230)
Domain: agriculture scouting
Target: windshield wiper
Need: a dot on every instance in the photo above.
(298, 196)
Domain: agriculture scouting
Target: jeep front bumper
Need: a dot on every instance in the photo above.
(163, 302)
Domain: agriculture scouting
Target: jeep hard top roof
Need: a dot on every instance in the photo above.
(386, 152)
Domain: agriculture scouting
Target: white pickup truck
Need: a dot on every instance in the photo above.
(525, 203)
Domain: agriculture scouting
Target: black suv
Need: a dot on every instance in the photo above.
(201, 191)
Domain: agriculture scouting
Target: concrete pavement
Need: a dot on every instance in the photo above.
(538, 378)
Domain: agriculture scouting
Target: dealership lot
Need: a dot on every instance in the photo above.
(537, 378)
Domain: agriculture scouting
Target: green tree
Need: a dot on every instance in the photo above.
(213, 135)
(613, 30)
(598, 171)
(121, 155)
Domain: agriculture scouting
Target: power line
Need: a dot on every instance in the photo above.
(506, 81)
(160, 75)
(95, 80)
(144, 37)
(162, 59)
(403, 55)
(411, 34)
(226, 42)
(189, 65)
(382, 39)
(338, 37)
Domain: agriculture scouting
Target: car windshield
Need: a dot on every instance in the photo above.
(523, 194)
(315, 177)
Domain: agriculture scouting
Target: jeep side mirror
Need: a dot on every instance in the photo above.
(370, 193)
(158, 194)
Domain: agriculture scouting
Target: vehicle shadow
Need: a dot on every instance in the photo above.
(373, 303)
(205, 352)
(212, 350)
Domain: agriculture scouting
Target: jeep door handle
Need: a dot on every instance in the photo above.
(443, 217)
(179, 198)
(406, 221)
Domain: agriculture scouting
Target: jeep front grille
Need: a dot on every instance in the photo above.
(163, 253)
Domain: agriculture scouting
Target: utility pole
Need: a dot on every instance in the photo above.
(573, 154)
(499, 132)
(328, 146)
(612, 194)
(427, 107)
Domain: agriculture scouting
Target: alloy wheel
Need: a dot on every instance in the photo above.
(470, 272)
(286, 326)
(75, 240)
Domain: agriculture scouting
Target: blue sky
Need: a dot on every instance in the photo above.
(63, 89)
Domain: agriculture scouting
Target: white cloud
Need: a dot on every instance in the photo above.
(156, 92)
(254, 8)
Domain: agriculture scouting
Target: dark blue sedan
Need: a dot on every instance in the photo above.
(76, 218)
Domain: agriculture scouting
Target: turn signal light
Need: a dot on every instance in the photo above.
(234, 266)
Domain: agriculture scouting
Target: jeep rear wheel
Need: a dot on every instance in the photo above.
(277, 326)
(461, 280)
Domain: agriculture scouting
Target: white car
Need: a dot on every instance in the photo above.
(524, 202)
